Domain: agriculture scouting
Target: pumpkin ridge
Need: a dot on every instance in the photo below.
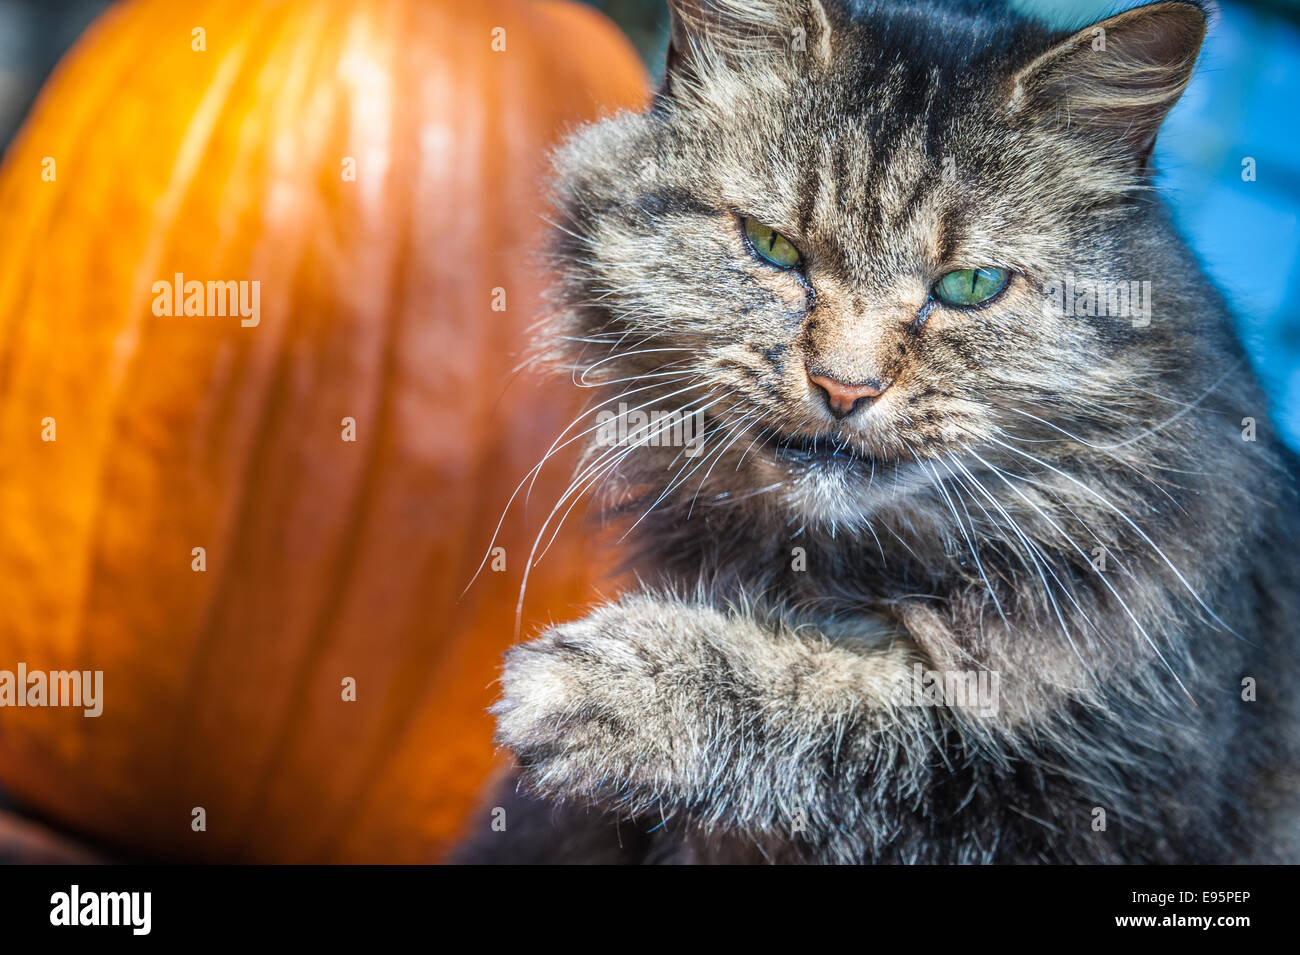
(124, 366)
(257, 453)
(425, 655)
(541, 19)
(44, 221)
(421, 656)
(182, 184)
(324, 626)
(38, 221)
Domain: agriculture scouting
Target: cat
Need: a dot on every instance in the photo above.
(987, 553)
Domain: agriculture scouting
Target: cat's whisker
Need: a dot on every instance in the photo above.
(770, 429)
(1101, 577)
(624, 355)
(530, 477)
(1054, 492)
(672, 376)
(1189, 408)
(585, 240)
(757, 492)
(610, 459)
(936, 482)
(677, 480)
(607, 462)
(553, 449)
(1128, 520)
(1002, 475)
(736, 432)
(1041, 562)
(979, 565)
(1234, 368)
(1108, 451)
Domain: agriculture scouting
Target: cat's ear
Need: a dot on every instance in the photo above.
(737, 31)
(1116, 80)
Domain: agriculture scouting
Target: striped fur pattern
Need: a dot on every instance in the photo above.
(1093, 508)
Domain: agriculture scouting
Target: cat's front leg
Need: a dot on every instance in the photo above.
(653, 704)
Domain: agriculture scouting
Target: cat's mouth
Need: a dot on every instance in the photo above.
(821, 450)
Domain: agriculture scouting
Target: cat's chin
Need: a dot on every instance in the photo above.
(827, 481)
(849, 492)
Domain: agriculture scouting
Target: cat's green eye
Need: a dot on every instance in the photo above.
(967, 288)
(771, 245)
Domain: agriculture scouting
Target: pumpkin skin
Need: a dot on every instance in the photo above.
(325, 559)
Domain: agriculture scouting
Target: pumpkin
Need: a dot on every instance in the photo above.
(254, 508)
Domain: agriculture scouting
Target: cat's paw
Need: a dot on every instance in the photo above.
(656, 702)
(593, 709)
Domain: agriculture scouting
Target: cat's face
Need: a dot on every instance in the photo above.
(845, 257)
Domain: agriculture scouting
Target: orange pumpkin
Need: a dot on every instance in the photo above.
(182, 507)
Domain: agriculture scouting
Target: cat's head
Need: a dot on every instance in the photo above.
(857, 239)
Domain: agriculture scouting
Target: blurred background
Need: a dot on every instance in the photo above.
(1240, 105)
(337, 558)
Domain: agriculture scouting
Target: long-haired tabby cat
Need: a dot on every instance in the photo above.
(986, 551)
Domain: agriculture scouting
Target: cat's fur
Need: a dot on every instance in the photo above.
(1068, 501)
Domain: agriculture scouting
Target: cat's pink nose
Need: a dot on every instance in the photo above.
(842, 396)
